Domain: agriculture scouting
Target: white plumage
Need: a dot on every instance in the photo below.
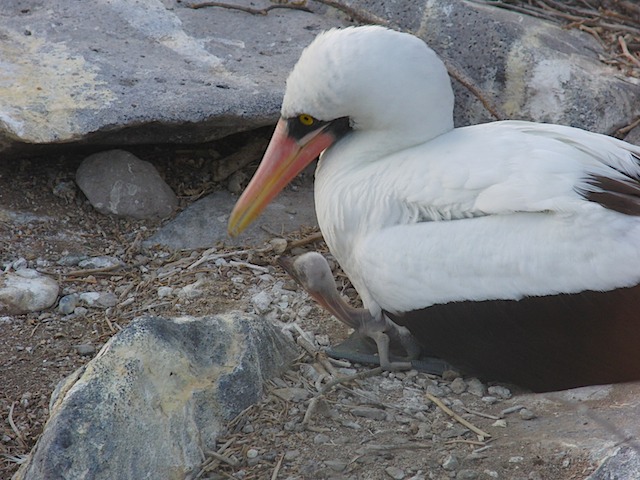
(420, 214)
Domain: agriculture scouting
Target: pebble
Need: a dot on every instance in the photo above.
(395, 473)
(490, 400)
(291, 455)
(279, 245)
(165, 292)
(99, 262)
(369, 412)
(85, 349)
(516, 459)
(26, 290)
(321, 438)
(526, 414)
(450, 463)
(475, 387)
(450, 375)
(436, 391)
(336, 465)
(68, 304)
(500, 392)
(458, 386)
(466, 475)
(261, 301)
(502, 423)
(252, 453)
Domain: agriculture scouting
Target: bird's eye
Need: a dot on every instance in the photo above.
(306, 120)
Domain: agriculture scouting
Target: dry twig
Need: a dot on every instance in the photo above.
(457, 418)
(252, 11)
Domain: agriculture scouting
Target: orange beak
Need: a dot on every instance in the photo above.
(285, 158)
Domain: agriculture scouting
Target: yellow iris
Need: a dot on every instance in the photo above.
(306, 120)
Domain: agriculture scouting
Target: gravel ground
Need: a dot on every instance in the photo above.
(372, 425)
(387, 425)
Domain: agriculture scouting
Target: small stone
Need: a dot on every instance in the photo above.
(252, 453)
(106, 300)
(164, 292)
(475, 387)
(89, 298)
(351, 424)
(458, 386)
(68, 304)
(500, 392)
(491, 474)
(248, 429)
(451, 463)
(103, 262)
(490, 400)
(336, 465)
(466, 475)
(261, 302)
(395, 473)
(502, 423)
(516, 459)
(321, 438)
(436, 391)
(26, 290)
(291, 455)
(369, 412)
(85, 349)
(526, 414)
(515, 408)
(279, 245)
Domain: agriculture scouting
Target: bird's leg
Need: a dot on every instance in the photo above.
(312, 271)
(382, 331)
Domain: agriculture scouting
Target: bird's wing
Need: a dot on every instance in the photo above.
(513, 166)
(519, 214)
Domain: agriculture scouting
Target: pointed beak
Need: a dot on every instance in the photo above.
(285, 158)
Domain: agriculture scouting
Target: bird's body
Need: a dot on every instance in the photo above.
(426, 219)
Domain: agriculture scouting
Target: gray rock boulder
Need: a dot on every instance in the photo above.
(151, 71)
(156, 397)
(155, 71)
(119, 183)
(26, 290)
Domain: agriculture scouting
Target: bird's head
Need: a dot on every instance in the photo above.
(356, 79)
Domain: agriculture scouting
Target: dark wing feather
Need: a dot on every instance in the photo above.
(621, 195)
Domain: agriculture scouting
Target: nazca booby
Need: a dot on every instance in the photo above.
(496, 245)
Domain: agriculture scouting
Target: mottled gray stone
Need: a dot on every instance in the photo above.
(117, 182)
(156, 397)
(623, 463)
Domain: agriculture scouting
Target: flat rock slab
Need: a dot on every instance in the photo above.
(155, 71)
(156, 397)
(149, 71)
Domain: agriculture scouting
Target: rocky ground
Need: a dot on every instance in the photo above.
(388, 425)
(391, 425)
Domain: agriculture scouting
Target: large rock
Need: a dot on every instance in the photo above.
(145, 71)
(156, 397)
(152, 71)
